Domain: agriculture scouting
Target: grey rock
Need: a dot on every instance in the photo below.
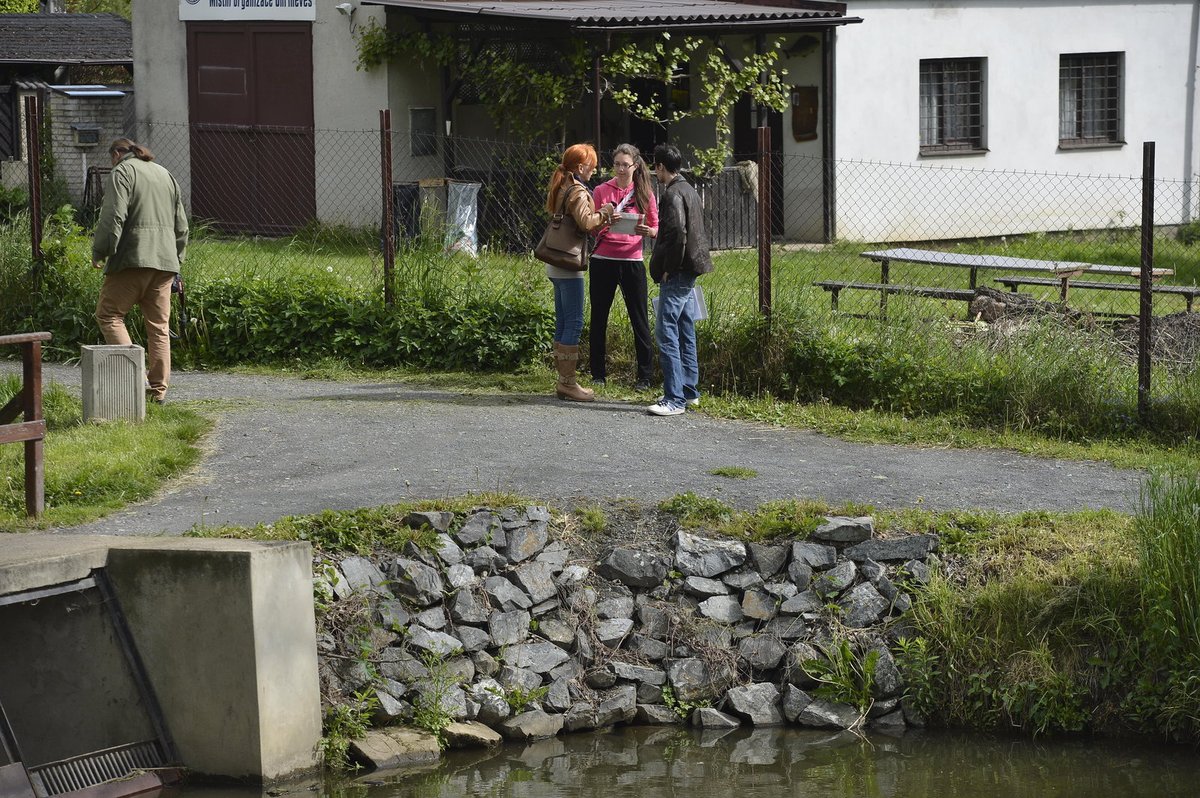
(573, 574)
(863, 606)
(696, 556)
(473, 639)
(768, 560)
(390, 709)
(485, 663)
(485, 560)
(801, 574)
(437, 521)
(468, 607)
(447, 550)
(536, 579)
(816, 555)
(656, 715)
(725, 609)
(639, 673)
(653, 650)
(538, 610)
(910, 547)
(536, 657)
(891, 723)
(461, 575)
(743, 579)
(416, 581)
(761, 652)
(508, 628)
(526, 541)
(568, 670)
(833, 581)
(400, 665)
(758, 605)
(655, 621)
(704, 587)
(690, 679)
(798, 655)
(478, 529)
(613, 631)
(888, 682)
(883, 706)
(615, 606)
(786, 627)
(619, 706)
(757, 703)
(916, 571)
(489, 695)
(506, 595)
(808, 601)
(887, 588)
(470, 734)
(600, 678)
(437, 643)
(633, 567)
(902, 603)
(558, 696)
(518, 679)
(391, 748)
(821, 714)
(460, 669)
(392, 616)
(709, 718)
(781, 590)
(532, 725)
(363, 576)
(871, 570)
(840, 529)
(538, 512)
(558, 630)
(433, 618)
(794, 702)
(580, 717)
(450, 700)
(555, 556)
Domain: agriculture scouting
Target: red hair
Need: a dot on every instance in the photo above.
(575, 156)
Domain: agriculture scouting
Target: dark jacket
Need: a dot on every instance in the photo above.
(682, 244)
(142, 222)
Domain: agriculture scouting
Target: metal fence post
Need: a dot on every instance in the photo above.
(389, 221)
(33, 152)
(1145, 307)
(764, 220)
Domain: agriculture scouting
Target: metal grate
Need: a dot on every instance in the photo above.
(88, 770)
(1089, 102)
(952, 105)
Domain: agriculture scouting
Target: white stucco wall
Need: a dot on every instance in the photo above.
(160, 77)
(901, 195)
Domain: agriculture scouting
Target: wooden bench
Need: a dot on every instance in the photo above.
(32, 431)
(835, 287)
(1188, 292)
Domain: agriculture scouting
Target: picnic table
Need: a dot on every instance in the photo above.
(1051, 272)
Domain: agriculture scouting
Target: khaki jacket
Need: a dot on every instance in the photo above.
(582, 210)
(142, 222)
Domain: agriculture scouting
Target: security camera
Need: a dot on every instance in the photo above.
(346, 9)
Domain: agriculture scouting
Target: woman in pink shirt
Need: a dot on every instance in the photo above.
(617, 261)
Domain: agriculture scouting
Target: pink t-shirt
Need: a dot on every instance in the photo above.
(620, 246)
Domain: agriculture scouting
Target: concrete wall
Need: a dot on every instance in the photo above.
(161, 103)
(877, 111)
(228, 639)
(225, 629)
(72, 161)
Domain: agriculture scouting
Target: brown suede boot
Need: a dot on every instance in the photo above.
(566, 357)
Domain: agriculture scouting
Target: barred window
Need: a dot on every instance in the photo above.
(952, 105)
(1089, 99)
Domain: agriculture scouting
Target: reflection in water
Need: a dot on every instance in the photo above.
(789, 763)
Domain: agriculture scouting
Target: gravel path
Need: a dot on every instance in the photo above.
(289, 446)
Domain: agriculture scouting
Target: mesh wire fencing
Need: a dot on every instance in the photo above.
(1032, 268)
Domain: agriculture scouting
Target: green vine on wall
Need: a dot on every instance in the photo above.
(528, 96)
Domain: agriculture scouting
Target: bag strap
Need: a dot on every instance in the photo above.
(562, 206)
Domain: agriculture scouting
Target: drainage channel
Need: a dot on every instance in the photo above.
(78, 717)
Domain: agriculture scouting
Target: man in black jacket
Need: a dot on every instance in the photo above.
(680, 254)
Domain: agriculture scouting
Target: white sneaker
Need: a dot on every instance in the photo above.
(664, 409)
(694, 402)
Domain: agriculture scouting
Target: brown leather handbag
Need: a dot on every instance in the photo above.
(562, 244)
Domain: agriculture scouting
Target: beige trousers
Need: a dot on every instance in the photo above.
(150, 290)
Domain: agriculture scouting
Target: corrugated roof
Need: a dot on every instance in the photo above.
(65, 39)
(626, 14)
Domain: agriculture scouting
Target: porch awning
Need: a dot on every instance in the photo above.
(556, 17)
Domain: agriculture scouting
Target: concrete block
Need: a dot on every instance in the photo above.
(226, 634)
(114, 380)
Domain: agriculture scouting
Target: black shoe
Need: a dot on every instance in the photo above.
(599, 381)
(641, 385)
(158, 400)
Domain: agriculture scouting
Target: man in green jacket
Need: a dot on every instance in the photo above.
(140, 242)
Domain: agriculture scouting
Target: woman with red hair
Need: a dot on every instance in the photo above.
(569, 193)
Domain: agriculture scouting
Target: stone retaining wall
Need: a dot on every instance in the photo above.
(504, 626)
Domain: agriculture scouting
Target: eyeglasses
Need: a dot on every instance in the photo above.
(622, 166)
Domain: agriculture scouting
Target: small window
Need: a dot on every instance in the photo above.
(422, 131)
(952, 105)
(1089, 99)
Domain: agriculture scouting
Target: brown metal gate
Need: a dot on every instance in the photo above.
(250, 91)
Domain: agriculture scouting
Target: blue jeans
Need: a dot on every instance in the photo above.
(675, 333)
(568, 309)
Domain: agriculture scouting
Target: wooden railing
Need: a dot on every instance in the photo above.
(32, 431)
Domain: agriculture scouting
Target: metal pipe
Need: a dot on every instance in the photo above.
(389, 213)
(1144, 283)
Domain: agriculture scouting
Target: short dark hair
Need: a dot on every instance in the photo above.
(668, 155)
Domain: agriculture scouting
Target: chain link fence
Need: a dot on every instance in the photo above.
(962, 268)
